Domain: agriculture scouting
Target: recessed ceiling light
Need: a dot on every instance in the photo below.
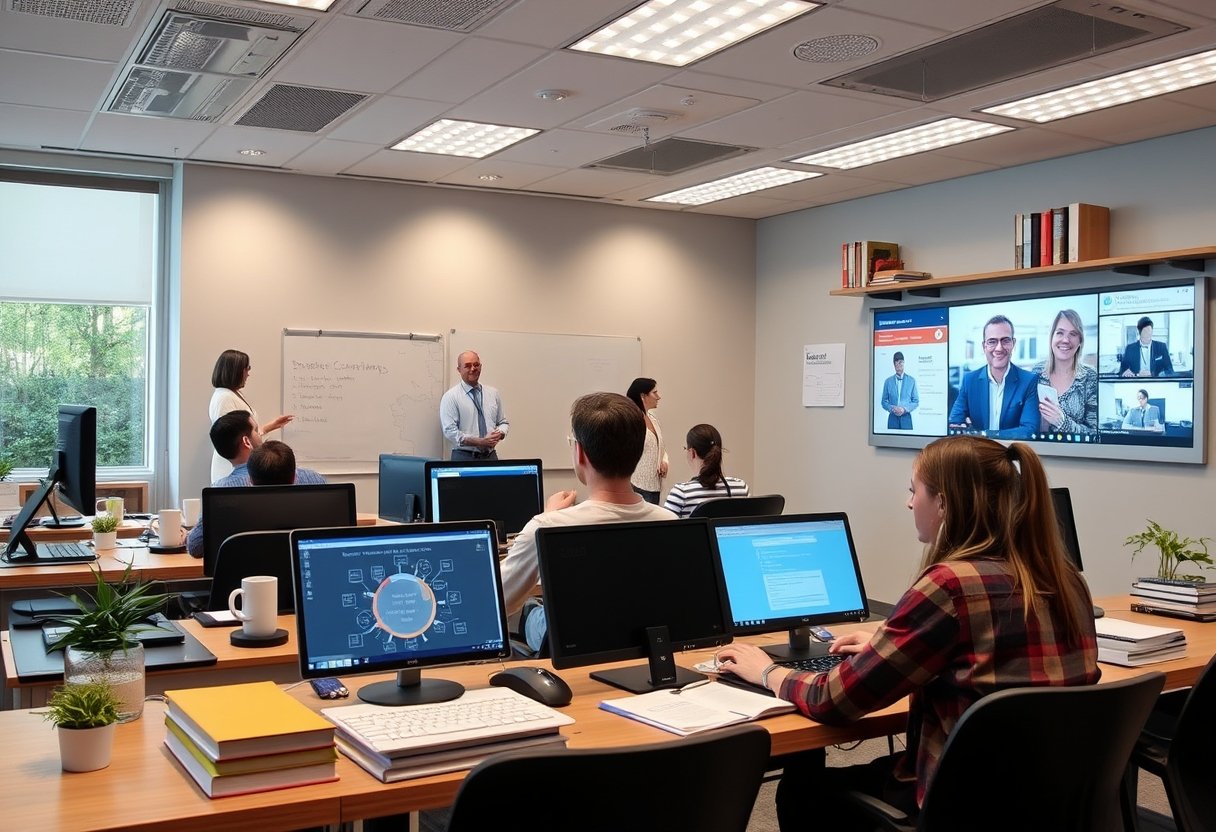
(319, 5)
(936, 134)
(678, 32)
(736, 185)
(552, 95)
(253, 151)
(463, 138)
(489, 177)
(1146, 82)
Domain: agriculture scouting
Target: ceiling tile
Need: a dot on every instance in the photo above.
(418, 167)
(728, 86)
(796, 116)
(56, 36)
(1136, 121)
(924, 167)
(330, 157)
(387, 119)
(589, 182)
(467, 69)
(168, 138)
(226, 143)
(47, 81)
(749, 206)
(948, 15)
(36, 127)
(687, 108)
(1019, 147)
(553, 23)
(515, 175)
(568, 148)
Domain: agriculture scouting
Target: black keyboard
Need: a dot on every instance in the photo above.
(818, 664)
(50, 554)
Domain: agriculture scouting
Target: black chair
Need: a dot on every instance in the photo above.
(253, 553)
(1033, 758)
(1174, 746)
(762, 506)
(707, 783)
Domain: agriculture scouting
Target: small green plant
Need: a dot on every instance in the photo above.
(6, 468)
(1173, 551)
(89, 705)
(109, 618)
(103, 523)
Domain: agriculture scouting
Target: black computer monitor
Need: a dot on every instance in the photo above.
(790, 572)
(259, 508)
(508, 491)
(372, 599)
(72, 473)
(1067, 522)
(402, 487)
(618, 591)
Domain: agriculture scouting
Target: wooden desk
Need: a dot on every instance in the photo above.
(45, 534)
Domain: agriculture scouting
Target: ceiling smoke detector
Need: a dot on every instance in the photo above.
(835, 49)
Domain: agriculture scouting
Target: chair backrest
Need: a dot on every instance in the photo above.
(253, 553)
(1039, 758)
(1189, 763)
(708, 783)
(761, 506)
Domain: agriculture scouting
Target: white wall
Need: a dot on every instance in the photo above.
(1160, 193)
(262, 251)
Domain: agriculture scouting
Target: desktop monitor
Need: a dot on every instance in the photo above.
(371, 599)
(618, 591)
(257, 508)
(1067, 522)
(72, 473)
(402, 487)
(790, 572)
(508, 491)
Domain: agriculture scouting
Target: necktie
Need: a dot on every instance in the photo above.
(475, 392)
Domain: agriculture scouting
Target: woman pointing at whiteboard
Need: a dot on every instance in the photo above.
(228, 378)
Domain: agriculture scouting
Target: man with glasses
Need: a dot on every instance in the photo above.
(471, 414)
(998, 399)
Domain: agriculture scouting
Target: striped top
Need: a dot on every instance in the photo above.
(685, 496)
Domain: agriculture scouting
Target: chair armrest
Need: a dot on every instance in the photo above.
(1150, 756)
(880, 812)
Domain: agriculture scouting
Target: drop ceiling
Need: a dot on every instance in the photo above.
(57, 76)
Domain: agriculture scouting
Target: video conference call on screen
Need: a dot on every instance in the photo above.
(1146, 394)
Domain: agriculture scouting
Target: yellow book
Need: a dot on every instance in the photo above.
(249, 765)
(256, 781)
(232, 721)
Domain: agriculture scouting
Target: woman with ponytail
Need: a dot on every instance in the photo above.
(703, 446)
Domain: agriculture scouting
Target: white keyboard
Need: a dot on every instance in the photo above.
(479, 716)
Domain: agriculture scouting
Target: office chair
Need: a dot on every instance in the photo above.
(1033, 758)
(707, 783)
(762, 506)
(253, 553)
(1160, 404)
(1178, 750)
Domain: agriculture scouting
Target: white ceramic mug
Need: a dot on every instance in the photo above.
(259, 610)
(168, 527)
(111, 506)
(192, 507)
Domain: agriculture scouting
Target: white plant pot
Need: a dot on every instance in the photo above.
(105, 540)
(85, 749)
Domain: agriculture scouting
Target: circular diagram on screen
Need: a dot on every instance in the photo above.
(404, 605)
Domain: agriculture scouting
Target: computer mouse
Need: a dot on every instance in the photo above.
(537, 683)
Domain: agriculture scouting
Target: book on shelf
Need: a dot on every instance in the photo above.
(1059, 235)
(393, 769)
(1180, 586)
(1036, 242)
(247, 720)
(858, 259)
(1088, 232)
(1170, 610)
(897, 276)
(697, 707)
(1045, 238)
(215, 784)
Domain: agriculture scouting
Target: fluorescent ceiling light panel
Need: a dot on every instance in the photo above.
(1159, 79)
(737, 185)
(931, 136)
(319, 5)
(678, 32)
(463, 138)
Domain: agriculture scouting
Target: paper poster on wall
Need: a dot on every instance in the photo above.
(823, 375)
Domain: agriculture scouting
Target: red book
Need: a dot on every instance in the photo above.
(1045, 238)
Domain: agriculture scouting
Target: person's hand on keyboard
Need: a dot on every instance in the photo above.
(851, 642)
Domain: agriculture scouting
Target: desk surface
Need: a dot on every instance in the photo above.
(145, 789)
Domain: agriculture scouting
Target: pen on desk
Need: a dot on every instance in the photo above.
(692, 685)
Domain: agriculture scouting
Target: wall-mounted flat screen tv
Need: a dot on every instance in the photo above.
(1115, 371)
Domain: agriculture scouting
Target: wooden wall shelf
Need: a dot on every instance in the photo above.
(134, 497)
(1190, 259)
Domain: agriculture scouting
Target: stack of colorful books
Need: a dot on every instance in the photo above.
(1194, 600)
(238, 739)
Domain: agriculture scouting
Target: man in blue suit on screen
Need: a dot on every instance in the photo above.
(1000, 387)
(899, 397)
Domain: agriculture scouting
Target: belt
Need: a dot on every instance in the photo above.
(475, 451)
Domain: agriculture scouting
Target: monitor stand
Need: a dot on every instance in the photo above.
(799, 647)
(661, 671)
(409, 688)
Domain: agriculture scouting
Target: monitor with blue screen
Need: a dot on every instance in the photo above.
(790, 572)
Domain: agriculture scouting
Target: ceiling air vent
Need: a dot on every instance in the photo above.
(670, 156)
(452, 15)
(304, 109)
(102, 12)
(1051, 35)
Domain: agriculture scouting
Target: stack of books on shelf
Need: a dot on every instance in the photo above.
(1071, 234)
(1195, 600)
(897, 276)
(1131, 644)
(859, 261)
(238, 739)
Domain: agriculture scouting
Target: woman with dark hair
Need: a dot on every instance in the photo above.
(1075, 405)
(997, 604)
(647, 478)
(703, 444)
(228, 377)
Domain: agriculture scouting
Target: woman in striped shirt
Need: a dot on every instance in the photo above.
(703, 445)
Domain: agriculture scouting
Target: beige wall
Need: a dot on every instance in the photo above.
(1161, 196)
(261, 251)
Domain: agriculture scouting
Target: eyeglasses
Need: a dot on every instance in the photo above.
(476, 366)
(993, 343)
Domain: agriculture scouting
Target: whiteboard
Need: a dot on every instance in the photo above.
(356, 395)
(540, 375)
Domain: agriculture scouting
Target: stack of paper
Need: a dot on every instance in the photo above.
(697, 707)
(1195, 600)
(1131, 645)
(238, 739)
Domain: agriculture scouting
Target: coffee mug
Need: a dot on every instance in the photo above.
(192, 507)
(168, 527)
(259, 608)
(111, 506)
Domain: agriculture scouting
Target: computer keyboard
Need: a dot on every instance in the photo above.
(817, 664)
(477, 717)
(50, 554)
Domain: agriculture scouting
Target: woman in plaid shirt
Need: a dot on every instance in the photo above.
(996, 605)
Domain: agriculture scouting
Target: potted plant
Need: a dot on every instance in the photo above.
(1172, 550)
(105, 532)
(99, 642)
(85, 716)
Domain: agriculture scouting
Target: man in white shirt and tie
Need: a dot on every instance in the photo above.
(471, 414)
